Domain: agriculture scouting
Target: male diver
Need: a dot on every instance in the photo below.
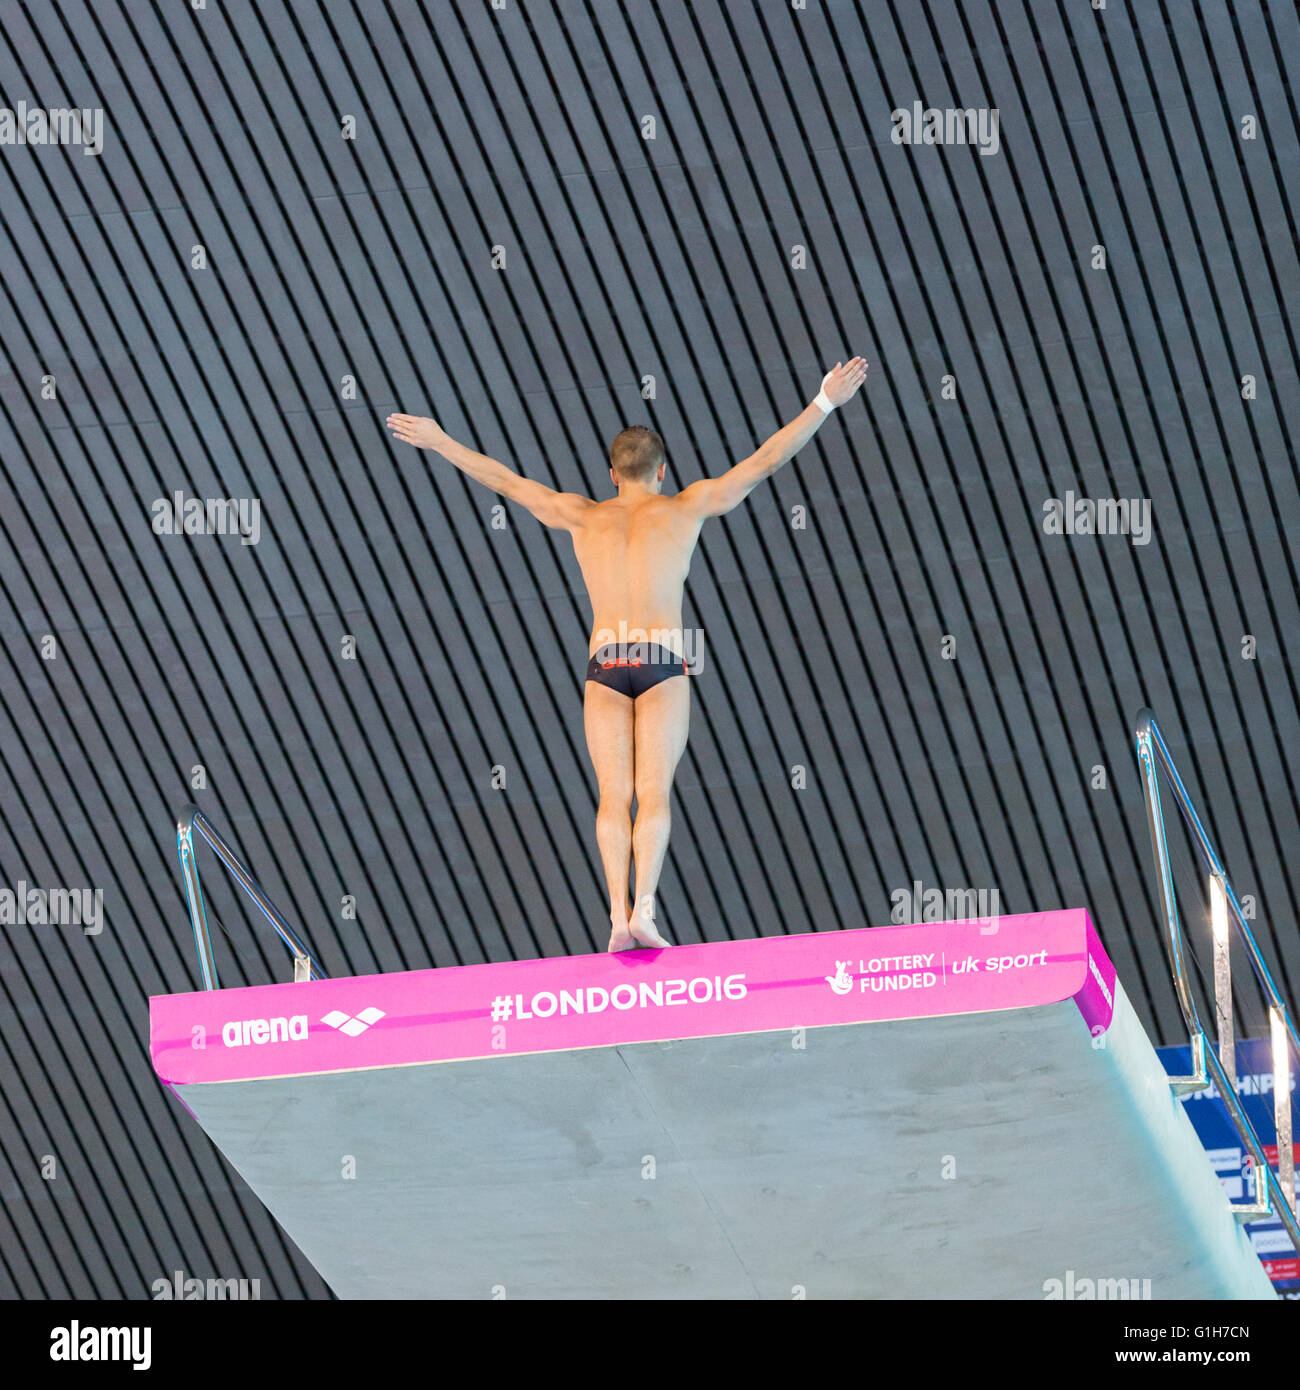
(634, 550)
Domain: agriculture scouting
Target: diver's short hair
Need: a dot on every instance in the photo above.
(636, 453)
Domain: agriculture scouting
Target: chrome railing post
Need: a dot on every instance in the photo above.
(1282, 1107)
(1223, 1022)
(194, 896)
(1173, 933)
(191, 819)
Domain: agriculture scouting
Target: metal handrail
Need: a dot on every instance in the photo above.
(189, 820)
(1272, 1197)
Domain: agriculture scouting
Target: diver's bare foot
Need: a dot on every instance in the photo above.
(620, 938)
(645, 932)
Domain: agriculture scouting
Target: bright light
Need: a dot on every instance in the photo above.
(1218, 910)
(1281, 1056)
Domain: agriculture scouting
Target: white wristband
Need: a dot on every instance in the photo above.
(822, 402)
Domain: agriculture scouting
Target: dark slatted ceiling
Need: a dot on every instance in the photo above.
(907, 680)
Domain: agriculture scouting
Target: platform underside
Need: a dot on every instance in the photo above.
(958, 1157)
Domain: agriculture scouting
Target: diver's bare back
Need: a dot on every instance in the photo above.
(634, 550)
(634, 554)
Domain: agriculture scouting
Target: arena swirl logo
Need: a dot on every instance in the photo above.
(258, 1032)
(353, 1025)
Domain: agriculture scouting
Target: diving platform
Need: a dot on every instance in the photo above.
(939, 1110)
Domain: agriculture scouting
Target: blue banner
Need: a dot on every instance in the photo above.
(1214, 1127)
